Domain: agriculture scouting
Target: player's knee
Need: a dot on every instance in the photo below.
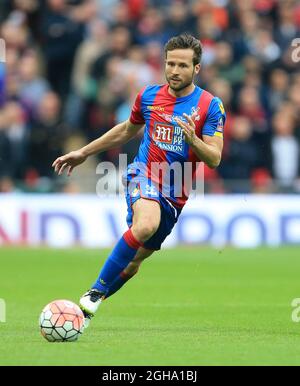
(144, 231)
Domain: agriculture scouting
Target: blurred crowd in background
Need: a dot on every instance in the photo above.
(74, 67)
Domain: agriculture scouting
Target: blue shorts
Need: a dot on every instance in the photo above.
(138, 186)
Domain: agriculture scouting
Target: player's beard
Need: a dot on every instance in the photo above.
(180, 85)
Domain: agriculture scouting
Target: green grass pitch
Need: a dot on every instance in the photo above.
(187, 306)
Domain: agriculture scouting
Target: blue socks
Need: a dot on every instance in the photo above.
(119, 282)
(121, 256)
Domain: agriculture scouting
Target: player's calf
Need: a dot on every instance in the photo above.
(130, 271)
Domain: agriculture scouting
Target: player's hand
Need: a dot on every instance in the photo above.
(68, 161)
(188, 129)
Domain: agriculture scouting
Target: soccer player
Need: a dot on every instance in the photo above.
(183, 123)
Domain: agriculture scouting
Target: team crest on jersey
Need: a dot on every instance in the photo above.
(195, 114)
(168, 137)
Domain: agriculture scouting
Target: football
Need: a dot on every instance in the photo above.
(61, 321)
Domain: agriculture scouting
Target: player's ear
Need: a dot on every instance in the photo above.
(197, 68)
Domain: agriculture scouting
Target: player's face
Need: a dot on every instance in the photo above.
(180, 69)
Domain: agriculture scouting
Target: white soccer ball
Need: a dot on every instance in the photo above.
(61, 321)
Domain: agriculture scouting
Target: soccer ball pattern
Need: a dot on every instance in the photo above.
(61, 321)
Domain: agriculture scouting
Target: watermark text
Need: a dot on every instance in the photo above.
(2, 51)
(2, 311)
(176, 180)
(296, 51)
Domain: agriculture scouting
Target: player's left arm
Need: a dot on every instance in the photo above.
(209, 148)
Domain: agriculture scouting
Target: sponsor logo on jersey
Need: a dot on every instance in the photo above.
(155, 108)
(168, 137)
(163, 133)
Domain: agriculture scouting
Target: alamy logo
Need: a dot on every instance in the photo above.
(296, 312)
(2, 311)
(177, 179)
(296, 51)
(2, 50)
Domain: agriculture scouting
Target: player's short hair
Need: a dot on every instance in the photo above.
(185, 41)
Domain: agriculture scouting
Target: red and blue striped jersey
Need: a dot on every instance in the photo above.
(163, 139)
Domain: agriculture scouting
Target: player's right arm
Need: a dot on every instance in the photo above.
(117, 136)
